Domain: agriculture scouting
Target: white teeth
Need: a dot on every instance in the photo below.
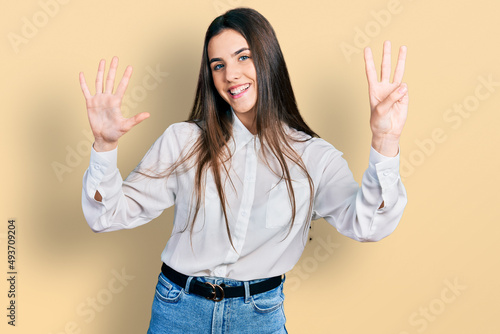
(238, 90)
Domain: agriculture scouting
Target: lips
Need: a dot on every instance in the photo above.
(237, 90)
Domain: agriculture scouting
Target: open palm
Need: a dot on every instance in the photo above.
(103, 108)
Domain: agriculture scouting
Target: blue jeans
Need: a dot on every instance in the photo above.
(176, 310)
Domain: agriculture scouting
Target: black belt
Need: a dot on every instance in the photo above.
(217, 292)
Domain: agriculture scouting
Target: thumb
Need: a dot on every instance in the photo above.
(133, 121)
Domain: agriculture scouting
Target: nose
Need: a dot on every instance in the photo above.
(233, 72)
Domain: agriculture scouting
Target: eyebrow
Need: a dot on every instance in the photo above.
(234, 54)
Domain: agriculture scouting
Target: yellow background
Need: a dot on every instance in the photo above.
(448, 234)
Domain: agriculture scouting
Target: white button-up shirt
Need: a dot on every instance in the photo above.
(258, 205)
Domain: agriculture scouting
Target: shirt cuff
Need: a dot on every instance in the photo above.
(384, 169)
(102, 164)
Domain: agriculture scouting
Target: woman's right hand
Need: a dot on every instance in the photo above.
(103, 108)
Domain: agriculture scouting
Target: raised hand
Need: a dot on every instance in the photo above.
(388, 100)
(103, 108)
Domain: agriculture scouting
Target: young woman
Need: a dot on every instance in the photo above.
(246, 175)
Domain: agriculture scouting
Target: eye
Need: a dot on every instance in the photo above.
(218, 67)
(244, 57)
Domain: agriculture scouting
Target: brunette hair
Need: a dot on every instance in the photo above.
(275, 106)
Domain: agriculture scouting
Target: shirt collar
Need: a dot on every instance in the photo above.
(243, 136)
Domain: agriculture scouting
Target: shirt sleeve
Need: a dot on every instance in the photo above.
(354, 210)
(137, 199)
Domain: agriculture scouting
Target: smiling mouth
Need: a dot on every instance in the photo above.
(239, 89)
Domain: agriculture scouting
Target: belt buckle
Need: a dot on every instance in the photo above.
(214, 292)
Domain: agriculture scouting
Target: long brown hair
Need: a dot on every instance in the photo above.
(275, 105)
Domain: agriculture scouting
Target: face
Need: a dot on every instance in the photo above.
(233, 72)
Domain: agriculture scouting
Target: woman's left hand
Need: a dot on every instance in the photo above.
(388, 100)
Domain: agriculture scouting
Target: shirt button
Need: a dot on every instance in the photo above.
(96, 167)
(386, 173)
(244, 214)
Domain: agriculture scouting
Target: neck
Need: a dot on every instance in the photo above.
(249, 120)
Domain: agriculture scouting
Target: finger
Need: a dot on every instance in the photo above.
(133, 121)
(122, 86)
(400, 66)
(405, 99)
(85, 88)
(385, 73)
(110, 81)
(397, 95)
(100, 76)
(371, 73)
